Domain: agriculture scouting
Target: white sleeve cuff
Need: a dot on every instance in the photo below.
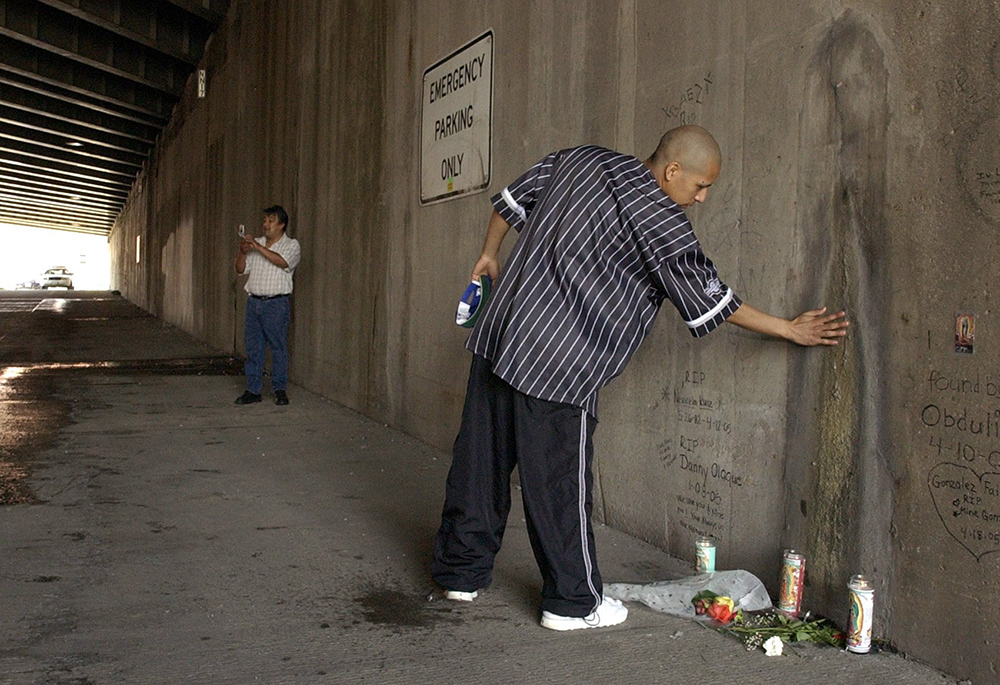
(708, 316)
(509, 199)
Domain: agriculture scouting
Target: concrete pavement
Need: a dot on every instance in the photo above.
(165, 535)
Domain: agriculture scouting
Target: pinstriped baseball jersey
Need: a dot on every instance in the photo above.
(600, 247)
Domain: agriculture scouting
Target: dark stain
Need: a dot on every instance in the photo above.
(71, 681)
(44, 350)
(394, 609)
(995, 59)
(13, 486)
(836, 401)
(157, 527)
(46, 579)
(76, 536)
(32, 415)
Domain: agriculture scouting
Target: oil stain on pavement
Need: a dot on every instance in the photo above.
(391, 608)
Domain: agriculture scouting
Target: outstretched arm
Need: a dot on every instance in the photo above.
(814, 327)
(489, 261)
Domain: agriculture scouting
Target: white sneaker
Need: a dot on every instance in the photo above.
(611, 612)
(460, 596)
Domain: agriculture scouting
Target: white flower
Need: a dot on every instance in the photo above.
(773, 646)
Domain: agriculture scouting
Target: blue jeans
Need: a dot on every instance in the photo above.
(267, 325)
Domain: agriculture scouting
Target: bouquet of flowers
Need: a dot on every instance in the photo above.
(769, 629)
(716, 607)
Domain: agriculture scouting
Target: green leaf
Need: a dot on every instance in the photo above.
(802, 636)
(704, 594)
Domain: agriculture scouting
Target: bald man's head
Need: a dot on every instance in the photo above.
(685, 163)
(692, 147)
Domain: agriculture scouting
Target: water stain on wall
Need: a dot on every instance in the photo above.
(837, 408)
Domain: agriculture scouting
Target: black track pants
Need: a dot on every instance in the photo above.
(551, 443)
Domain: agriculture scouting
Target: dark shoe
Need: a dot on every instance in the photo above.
(248, 398)
(280, 398)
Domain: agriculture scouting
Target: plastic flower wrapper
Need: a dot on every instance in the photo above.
(674, 596)
(773, 645)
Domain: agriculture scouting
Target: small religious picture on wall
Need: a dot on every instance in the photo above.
(965, 333)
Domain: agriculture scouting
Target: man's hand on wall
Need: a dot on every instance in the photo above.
(816, 327)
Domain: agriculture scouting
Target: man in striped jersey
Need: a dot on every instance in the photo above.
(603, 240)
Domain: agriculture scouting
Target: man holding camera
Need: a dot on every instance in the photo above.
(270, 262)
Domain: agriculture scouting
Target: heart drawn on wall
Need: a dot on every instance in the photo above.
(969, 506)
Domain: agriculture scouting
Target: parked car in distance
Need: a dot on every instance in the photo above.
(29, 285)
(57, 277)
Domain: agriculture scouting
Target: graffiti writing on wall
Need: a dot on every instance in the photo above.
(964, 428)
(704, 480)
(988, 185)
(685, 107)
(959, 87)
(968, 504)
(979, 173)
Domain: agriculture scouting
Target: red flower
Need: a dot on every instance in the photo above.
(720, 612)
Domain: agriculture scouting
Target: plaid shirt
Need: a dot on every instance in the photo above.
(265, 278)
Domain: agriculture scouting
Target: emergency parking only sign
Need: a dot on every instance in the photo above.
(456, 123)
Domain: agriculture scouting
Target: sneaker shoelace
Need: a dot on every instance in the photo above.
(594, 618)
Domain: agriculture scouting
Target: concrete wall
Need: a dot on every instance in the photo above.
(862, 145)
